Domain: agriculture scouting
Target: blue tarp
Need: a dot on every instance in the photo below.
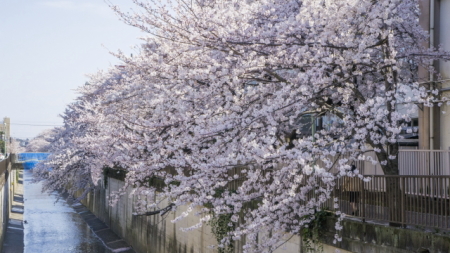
(31, 159)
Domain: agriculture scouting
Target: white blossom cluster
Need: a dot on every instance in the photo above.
(224, 84)
(41, 143)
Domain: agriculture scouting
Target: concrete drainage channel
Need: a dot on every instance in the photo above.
(55, 226)
(110, 239)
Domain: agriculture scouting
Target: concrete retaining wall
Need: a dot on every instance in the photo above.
(5, 196)
(152, 234)
(376, 238)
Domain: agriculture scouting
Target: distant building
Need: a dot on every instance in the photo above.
(5, 128)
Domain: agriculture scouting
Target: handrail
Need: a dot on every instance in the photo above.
(424, 150)
(411, 176)
(421, 200)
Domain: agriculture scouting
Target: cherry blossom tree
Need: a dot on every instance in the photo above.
(215, 103)
(41, 143)
(15, 147)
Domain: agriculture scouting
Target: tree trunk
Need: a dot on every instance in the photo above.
(394, 198)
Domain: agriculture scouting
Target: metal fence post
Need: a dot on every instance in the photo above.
(363, 204)
(402, 192)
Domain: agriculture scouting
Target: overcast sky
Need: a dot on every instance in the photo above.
(46, 48)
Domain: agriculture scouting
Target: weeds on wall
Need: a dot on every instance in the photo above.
(17, 176)
(314, 230)
(221, 225)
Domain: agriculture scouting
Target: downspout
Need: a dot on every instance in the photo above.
(431, 73)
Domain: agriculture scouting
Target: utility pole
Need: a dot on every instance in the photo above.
(5, 139)
(6, 132)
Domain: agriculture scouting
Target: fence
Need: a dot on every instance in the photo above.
(419, 196)
(405, 200)
(4, 165)
(424, 162)
(402, 200)
(410, 162)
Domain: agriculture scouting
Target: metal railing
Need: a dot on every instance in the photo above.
(410, 162)
(405, 200)
(424, 162)
(401, 200)
(4, 165)
(419, 196)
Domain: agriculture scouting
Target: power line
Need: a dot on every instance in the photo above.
(32, 124)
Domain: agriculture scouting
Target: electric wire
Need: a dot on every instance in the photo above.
(31, 124)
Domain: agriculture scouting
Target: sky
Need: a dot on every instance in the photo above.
(46, 49)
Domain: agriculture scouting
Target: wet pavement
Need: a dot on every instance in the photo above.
(54, 226)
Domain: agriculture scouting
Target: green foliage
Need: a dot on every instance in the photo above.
(221, 225)
(2, 146)
(313, 231)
